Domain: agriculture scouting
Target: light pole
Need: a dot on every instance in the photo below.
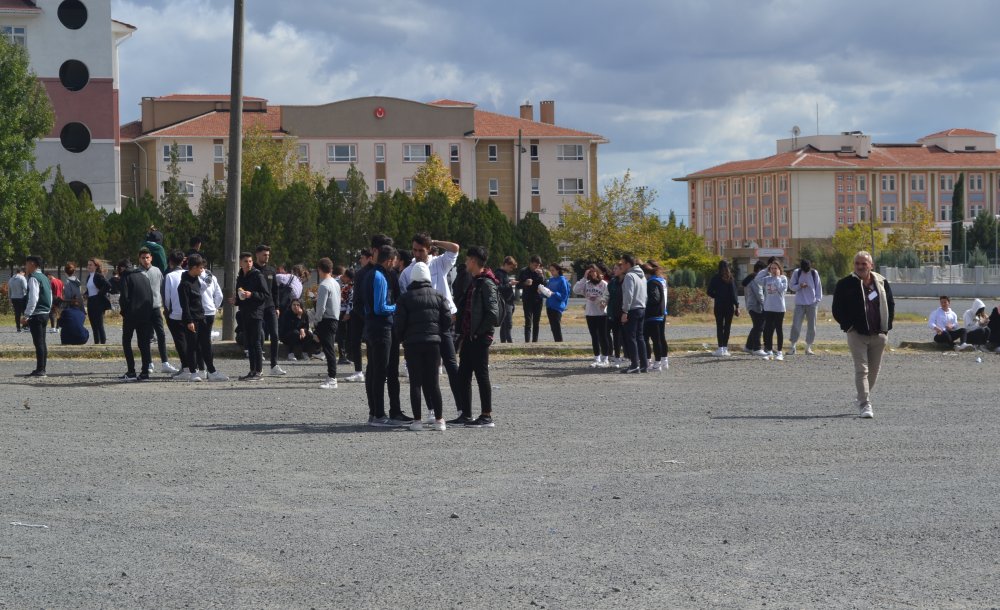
(235, 172)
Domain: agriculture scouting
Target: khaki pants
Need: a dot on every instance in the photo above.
(866, 350)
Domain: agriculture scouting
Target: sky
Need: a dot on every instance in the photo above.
(675, 85)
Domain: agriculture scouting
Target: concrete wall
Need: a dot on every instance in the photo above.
(90, 167)
(812, 213)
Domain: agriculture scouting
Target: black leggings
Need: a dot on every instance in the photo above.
(654, 331)
(326, 330)
(253, 342)
(422, 362)
(723, 324)
(598, 327)
(532, 306)
(96, 317)
(772, 324)
(355, 329)
(615, 328)
(555, 323)
(205, 345)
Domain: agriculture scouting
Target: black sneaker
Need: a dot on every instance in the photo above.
(400, 420)
(344, 362)
(142, 377)
(127, 377)
(461, 420)
(483, 421)
(630, 370)
(37, 374)
(250, 377)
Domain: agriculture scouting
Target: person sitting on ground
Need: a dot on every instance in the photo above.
(295, 333)
(71, 328)
(944, 322)
(290, 286)
(977, 330)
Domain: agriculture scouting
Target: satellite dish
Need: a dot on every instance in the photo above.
(796, 131)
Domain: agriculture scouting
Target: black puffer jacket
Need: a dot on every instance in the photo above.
(421, 315)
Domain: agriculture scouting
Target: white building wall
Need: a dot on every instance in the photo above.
(50, 43)
(551, 169)
(813, 204)
(90, 167)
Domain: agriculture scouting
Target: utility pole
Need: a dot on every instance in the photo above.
(520, 153)
(235, 173)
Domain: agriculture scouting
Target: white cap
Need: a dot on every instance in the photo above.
(421, 273)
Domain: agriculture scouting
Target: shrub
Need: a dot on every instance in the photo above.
(683, 300)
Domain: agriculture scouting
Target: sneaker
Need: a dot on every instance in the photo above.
(809, 350)
(461, 420)
(961, 347)
(768, 355)
(747, 350)
(725, 352)
(429, 417)
(292, 358)
(483, 421)
(166, 367)
(718, 353)
(250, 377)
(405, 372)
(344, 362)
(320, 356)
(615, 363)
(630, 370)
(866, 411)
(655, 366)
(399, 419)
(382, 422)
(665, 363)
(202, 373)
(331, 384)
(358, 376)
(217, 376)
(36, 374)
(417, 426)
(128, 377)
(779, 356)
(52, 331)
(142, 377)
(439, 425)
(180, 372)
(596, 363)
(760, 353)
(184, 376)
(196, 377)
(150, 368)
(277, 371)
(791, 350)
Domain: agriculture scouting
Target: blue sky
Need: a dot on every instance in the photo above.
(676, 85)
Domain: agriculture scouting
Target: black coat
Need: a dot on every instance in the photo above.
(849, 305)
(189, 296)
(271, 281)
(253, 306)
(289, 322)
(100, 300)
(136, 299)
(421, 315)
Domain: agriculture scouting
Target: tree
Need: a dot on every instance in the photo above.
(70, 227)
(27, 116)
(847, 241)
(915, 231)
(259, 219)
(600, 227)
(983, 233)
(535, 238)
(126, 230)
(433, 175)
(212, 221)
(299, 212)
(179, 224)
(261, 148)
(958, 246)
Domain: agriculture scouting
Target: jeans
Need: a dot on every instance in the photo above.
(161, 337)
(949, 337)
(978, 336)
(555, 323)
(474, 360)
(866, 351)
(178, 333)
(253, 339)
(144, 330)
(753, 339)
(379, 341)
(507, 324)
(270, 323)
(772, 324)
(422, 362)
(598, 327)
(633, 340)
(36, 324)
(96, 317)
(326, 330)
(809, 312)
(199, 345)
(19, 305)
(723, 324)
(450, 360)
(532, 307)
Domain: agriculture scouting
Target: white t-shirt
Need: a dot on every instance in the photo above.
(439, 266)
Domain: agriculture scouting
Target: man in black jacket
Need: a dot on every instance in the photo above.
(269, 318)
(528, 281)
(135, 302)
(478, 315)
(252, 294)
(864, 308)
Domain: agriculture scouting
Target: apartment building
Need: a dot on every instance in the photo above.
(814, 185)
(387, 139)
(73, 48)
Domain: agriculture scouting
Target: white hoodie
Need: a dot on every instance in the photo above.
(211, 293)
(941, 319)
(969, 318)
(596, 294)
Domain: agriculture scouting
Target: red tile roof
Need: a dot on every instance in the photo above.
(493, 125)
(213, 124)
(882, 157)
(196, 97)
(447, 102)
(958, 132)
(130, 131)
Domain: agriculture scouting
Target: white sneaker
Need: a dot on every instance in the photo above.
(768, 355)
(866, 411)
(202, 373)
(429, 418)
(331, 384)
(654, 366)
(809, 350)
(616, 363)
(779, 356)
(320, 356)
(292, 358)
(217, 376)
(439, 425)
(358, 376)
(719, 352)
(277, 371)
(166, 367)
(196, 377)
(417, 426)
(149, 369)
(596, 363)
(183, 376)
(665, 363)
(761, 353)
(603, 363)
(791, 350)
(961, 347)
(725, 352)
(405, 372)
(52, 331)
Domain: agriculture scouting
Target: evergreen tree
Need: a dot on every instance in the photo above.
(958, 248)
(179, 224)
(535, 238)
(126, 230)
(212, 221)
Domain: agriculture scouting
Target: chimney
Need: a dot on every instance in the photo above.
(547, 112)
(527, 111)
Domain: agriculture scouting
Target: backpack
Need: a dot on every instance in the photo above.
(798, 275)
(283, 299)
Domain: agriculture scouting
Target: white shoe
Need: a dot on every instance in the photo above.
(665, 363)
(358, 376)
(331, 384)
(277, 371)
(440, 426)
(596, 363)
(603, 363)
(768, 356)
(202, 373)
(149, 369)
(166, 367)
(321, 357)
(762, 354)
(791, 350)
(429, 418)
(405, 372)
(655, 366)
(196, 377)
(53, 331)
(615, 363)
(417, 426)
(292, 358)
(183, 376)
(866, 411)
(719, 352)
(725, 352)
(961, 347)
(779, 356)
(809, 350)
(217, 376)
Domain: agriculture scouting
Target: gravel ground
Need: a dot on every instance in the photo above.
(719, 483)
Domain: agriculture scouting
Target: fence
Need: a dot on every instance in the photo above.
(942, 274)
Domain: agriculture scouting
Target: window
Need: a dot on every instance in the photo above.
(708, 221)
(751, 216)
(185, 153)
(765, 185)
(221, 184)
(782, 183)
(303, 154)
(380, 153)
(495, 186)
(571, 186)
(218, 153)
(454, 150)
(380, 185)
(492, 152)
(736, 187)
(184, 188)
(569, 152)
(767, 216)
(947, 182)
(888, 213)
(862, 184)
(15, 35)
(534, 152)
(342, 153)
(862, 214)
(946, 212)
(416, 153)
(535, 189)
(722, 219)
(975, 210)
(917, 182)
(723, 190)
(408, 186)
(736, 218)
(888, 183)
(784, 215)
(707, 189)
(751, 186)
(342, 185)
(975, 182)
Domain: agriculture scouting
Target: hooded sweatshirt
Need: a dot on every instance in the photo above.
(941, 319)
(969, 318)
(596, 295)
(559, 298)
(634, 289)
(773, 289)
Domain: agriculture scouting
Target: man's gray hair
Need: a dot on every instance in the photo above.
(866, 254)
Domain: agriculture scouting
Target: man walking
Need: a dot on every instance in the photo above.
(478, 315)
(136, 305)
(864, 308)
(270, 315)
(633, 312)
(36, 311)
(327, 316)
(808, 293)
(17, 291)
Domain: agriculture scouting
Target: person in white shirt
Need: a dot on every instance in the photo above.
(808, 289)
(211, 301)
(327, 319)
(17, 291)
(944, 322)
(172, 305)
(593, 287)
(977, 324)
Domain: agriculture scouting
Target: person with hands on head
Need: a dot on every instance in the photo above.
(977, 324)
(594, 289)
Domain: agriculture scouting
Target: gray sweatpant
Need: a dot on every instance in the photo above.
(809, 312)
